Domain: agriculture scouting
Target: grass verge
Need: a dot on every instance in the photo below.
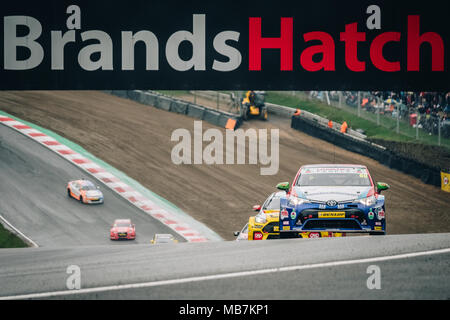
(10, 240)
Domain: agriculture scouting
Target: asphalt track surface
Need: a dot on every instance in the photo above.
(34, 199)
(327, 268)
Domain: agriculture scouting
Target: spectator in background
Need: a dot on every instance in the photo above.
(430, 106)
(344, 127)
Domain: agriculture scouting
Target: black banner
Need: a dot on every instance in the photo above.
(276, 45)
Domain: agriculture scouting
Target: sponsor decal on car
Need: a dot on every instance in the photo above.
(285, 228)
(314, 235)
(284, 214)
(286, 223)
(293, 215)
(370, 215)
(257, 235)
(332, 214)
(380, 214)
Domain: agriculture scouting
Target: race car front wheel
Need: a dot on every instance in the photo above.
(68, 193)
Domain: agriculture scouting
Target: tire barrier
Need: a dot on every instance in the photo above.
(288, 112)
(215, 117)
(163, 103)
(211, 117)
(195, 111)
(428, 174)
(179, 107)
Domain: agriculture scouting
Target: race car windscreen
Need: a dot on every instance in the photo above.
(123, 225)
(272, 204)
(312, 177)
(88, 187)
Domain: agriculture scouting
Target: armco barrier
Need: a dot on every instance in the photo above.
(215, 117)
(428, 174)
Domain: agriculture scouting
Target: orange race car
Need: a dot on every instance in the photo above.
(84, 191)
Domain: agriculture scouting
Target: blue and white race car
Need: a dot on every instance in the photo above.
(333, 198)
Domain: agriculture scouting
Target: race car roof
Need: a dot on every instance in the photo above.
(85, 182)
(334, 165)
(122, 221)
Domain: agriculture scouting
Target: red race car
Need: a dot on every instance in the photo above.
(123, 229)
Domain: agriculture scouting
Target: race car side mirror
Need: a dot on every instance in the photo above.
(382, 186)
(236, 233)
(283, 186)
(256, 207)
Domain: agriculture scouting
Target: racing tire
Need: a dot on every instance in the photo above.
(263, 114)
(245, 115)
(245, 111)
(81, 199)
(68, 193)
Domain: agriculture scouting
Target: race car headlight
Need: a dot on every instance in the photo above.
(260, 219)
(369, 201)
(294, 201)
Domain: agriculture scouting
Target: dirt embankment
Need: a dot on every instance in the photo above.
(136, 139)
(435, 156)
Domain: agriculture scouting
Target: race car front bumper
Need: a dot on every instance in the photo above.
(346, 220)
(94, 200)
(334, 226)
(123, 235)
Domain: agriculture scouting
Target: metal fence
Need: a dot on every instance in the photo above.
(225, 101)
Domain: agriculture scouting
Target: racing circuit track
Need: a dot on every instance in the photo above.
(102, 124)
(410, 268)
(34, 200)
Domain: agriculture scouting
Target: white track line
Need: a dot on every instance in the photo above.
(224, 275)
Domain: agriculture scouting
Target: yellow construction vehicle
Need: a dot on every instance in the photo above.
(253, 105)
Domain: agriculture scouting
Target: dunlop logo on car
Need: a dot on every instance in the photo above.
(331, 214)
